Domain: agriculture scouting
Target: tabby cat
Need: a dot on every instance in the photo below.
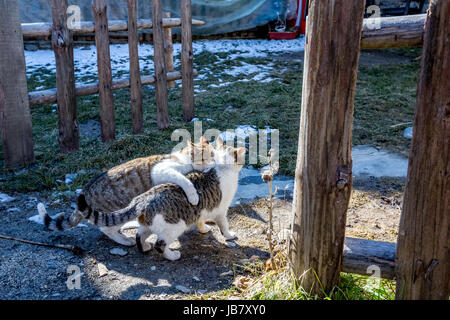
(114, 189)
(165, 211)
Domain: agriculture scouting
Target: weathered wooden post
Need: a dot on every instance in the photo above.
(107, 118)
(423, 261)
(62, 44)
(135, 74)
(323, 178)
(15, 118)
(162, 104)
(169, 50)
(187, 61)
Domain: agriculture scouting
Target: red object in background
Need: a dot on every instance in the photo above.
(300, 24)
(301, 15)
(283, 35)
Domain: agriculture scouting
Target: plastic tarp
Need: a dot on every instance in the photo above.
(221, 16)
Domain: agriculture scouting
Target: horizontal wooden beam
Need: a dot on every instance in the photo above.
(363, 256)
(44, 29)
(49, 96)
(393, 32)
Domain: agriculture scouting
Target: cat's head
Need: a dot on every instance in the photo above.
(228, 155)
(201, 154)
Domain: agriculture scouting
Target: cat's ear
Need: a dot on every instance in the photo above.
(219, 143)
(203, 140)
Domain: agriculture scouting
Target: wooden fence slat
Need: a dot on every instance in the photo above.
(162, 104)
(49, 96)
(68, 136)
(187, 61)
(15, 118)
(169, 50)
(323, 177)
(423, 260)
(135, 74)
(107, 118)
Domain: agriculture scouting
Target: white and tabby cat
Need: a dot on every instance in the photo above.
(114, 189)
(164, 210)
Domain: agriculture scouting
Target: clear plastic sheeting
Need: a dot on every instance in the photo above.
(221, 16)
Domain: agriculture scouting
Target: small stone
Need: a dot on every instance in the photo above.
(153, 268)
(70, 177)
(102, 270)
(254, 258)
(244, 261)
(118, 252)
(196, 257)
(230, 244)
(228, 273)
(408, 133)
(196, 278)
(202, 291)
(183, 289)
(10, 210)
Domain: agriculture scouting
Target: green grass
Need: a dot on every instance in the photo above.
(351, 287)
(385, 97)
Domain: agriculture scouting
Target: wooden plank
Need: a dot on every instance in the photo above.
(393, 32)
(44, 29)
(187, 61)
(162, 104)
(362, 256)
(49, 96)
(15, 118)
(323, 177)
(107, 119)
(62, 43)
(423, 260)
(169, 50)
(135, 74)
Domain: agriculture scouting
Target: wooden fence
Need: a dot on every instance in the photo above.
(16, 123)
(318, 249)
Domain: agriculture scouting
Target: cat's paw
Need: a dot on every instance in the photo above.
(204, 228)
(172, 255)
(230, 236)
(144, 247)
(126, 241)
(193, 197)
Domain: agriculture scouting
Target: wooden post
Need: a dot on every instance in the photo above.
(162, 104)
(423, 261)
(65, 78)
(169, 50)
(323, 177)
(135, 74)
(107, 121)
(187, 61)
(15, 118)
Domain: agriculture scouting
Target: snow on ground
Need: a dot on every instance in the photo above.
(86, 58)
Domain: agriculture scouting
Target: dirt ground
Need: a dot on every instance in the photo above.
(208, 263)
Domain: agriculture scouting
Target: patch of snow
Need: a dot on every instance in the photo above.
(5, 198)
(378, 163)
(408, 133)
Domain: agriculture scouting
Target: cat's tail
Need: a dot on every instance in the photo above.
(63, 221)
(116, 218)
